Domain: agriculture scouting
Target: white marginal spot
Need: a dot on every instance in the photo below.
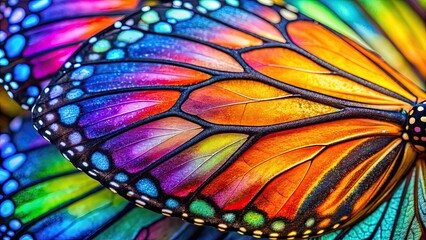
(40, 122)
(201, 10)
(92, 40)
(130, 193)
(92, 173)
(146, 8)
(223, 226)
(39, 109)
(198, 221)
(47, 132)
(85, 164)
(114, 184)
(65, 156)
(71, 153)
(145, 198)
(257, 233)
(292, 8)
(266, 2)
(67, 65)
(77, 65)
(188, 5)
(139, 202)
(166, 212)
(177, 3)
(288, 14)
(62, 144)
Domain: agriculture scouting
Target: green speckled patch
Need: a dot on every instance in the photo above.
(253, 218)
(310, 222)
(278, 226)
(101, 46)
(201, 208)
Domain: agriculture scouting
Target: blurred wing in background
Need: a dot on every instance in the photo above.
(44, 197)
(38, 36)
(8, 109)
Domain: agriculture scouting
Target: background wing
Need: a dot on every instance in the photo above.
(37, 37)
(8, 109)
(162, 108)
(44, 197)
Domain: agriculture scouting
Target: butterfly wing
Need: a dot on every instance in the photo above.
(183, 110)
(37, 37)
(402, 216)
(44, 197)
(362, 23)
(42, 164)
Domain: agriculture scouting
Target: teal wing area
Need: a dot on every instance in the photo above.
(402, 216)
(44, 197)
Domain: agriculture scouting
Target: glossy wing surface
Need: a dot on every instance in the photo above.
(172, 112)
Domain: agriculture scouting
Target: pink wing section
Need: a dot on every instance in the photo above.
(138, 148)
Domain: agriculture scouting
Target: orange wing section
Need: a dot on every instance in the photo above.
(316, 172)
(250, 103)
(413, 88)
(329, 47)
(267, 159)
(294, 69)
